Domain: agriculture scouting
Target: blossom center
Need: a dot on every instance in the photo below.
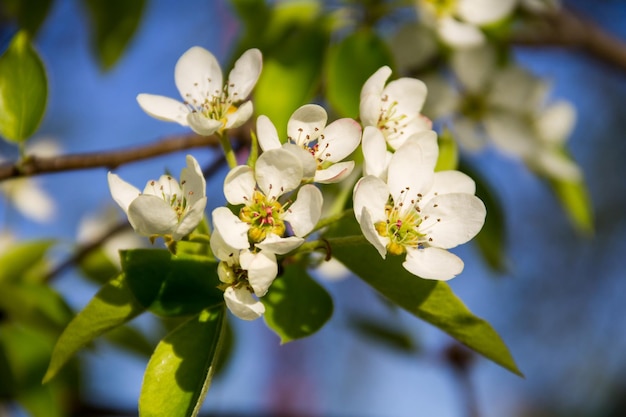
(390, 121)
(216, 105)
(314, 145)
(233, 275)
(264, 216)
(172, 193)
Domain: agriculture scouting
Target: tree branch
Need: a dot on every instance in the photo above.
(34, 165)
(565, 28)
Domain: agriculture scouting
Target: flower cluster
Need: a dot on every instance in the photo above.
(275, 202)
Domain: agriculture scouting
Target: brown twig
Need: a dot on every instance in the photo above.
(567, 29)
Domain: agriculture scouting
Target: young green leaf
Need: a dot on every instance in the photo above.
(114, 23)
(431, 301)
(21, 258)
(180, 370)
(111, 307)
(575, 200)
(23, 89)
(350, 63)
(296, 306)
(171, 285)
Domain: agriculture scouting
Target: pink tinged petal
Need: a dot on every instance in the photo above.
(409, 175)
(279, 245)
(448, 182)
(222, 250)
(372, 193)
(309, 164)
(240, 116)
(122, 192)
(334, 173)
(150, 215)
(164, 108)
(305, 212)
(376, 82)
(262, 270)
(277, 172)
(267, 133)
(239, 185)
(202, 125)
(198, 76)
(245, 74)
(339, 140)
(233, 231)
(374, 146)
(408, 93)
(191, 219)
(452, 219)
(370, 233)
(192, 180)
(459, 34)
(555, 124)
(433, 263)
(306, 123)
(242, 304)
(483, 12)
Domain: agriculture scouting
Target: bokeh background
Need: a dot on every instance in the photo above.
(560, 308)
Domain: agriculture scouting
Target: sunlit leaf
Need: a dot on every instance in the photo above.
(431, 301)
(23, 89)
(172, 285)
(296, 306)
(350, 63)
(21, 258)
(575, 200)
(111, 307)
(114, 22)
(97, 266)
(179, 372)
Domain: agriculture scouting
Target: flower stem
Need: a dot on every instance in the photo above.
(328, 244)
(229, 154)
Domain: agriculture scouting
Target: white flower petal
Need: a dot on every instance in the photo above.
(339, 140)
(510, 133)
(239, 185)
(483, 12)
(375, 84)
(198, 76)
(277, 172)
(370, 233)
(222, 250)
(373, 193)
(555, 124)
(448, 182)
(373, 147)
(517, 90)
(262, 270)
(408, 95)
(242, 304)
(267, 133)
(191, 219)
(452, 219)
(409, 174)
(150, 215)
(233, 231)
(433, 263)
(202, 125)
(305, 212)
(468, 133)
(474, 67)
(369, 109)
(458, 34)
(192, 180)
(309, 164)
(554, 164)
(31, 200)
(164, 108)
(245, 74)
(122, 192)
(306, 123)
(334, 173)
(239, 116)
(279, 245)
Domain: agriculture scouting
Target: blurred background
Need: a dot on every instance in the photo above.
(559, 305)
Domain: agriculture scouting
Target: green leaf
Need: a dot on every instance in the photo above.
(8, 384)
(111, 307)
(22, 258)
(23, 89)
(350, 63)
(172, 285)
(431, 301)
(296, 306)
(179, 372)
(575, 200)
(29, 14)
(97, 266)
(130, 339)
(384, 334)
(448, 152)
(113, 22)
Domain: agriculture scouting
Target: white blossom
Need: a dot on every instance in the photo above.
(393, 108)
(325, 146)
(419, 213)
(208, 105)
(165, 207)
